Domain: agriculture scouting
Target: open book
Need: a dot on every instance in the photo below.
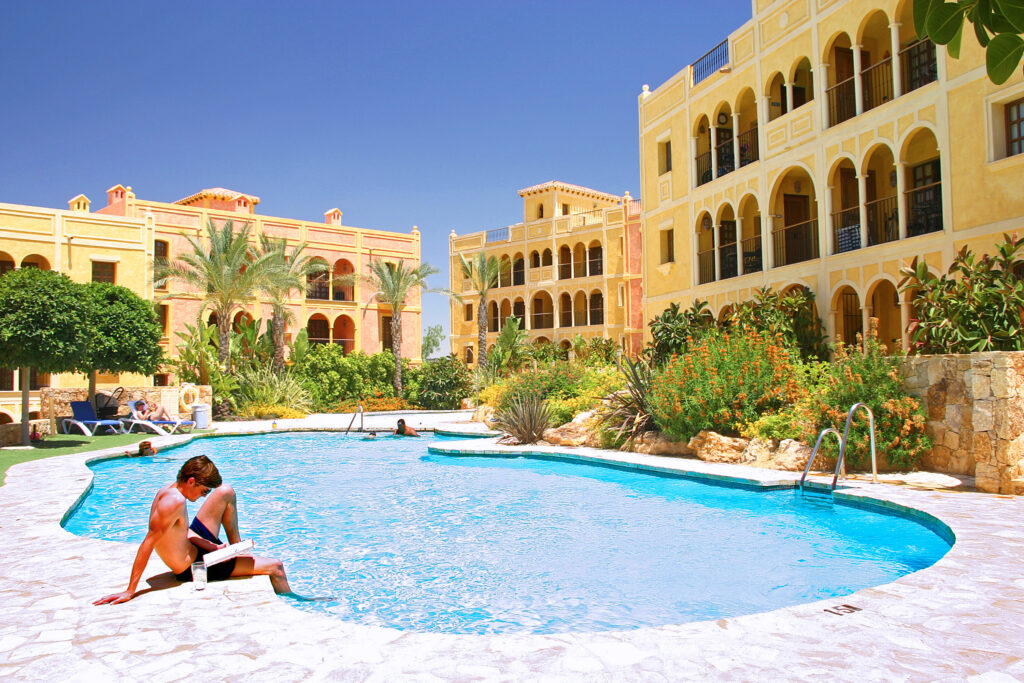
(233, 550)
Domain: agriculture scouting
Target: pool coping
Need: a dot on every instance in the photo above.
(955, 619)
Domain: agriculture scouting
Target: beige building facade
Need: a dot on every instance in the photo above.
(120, 242)
(573, 269)
(822, 145)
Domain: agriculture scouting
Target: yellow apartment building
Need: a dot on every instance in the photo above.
(120, 242)
(822, 145)
(573, 268)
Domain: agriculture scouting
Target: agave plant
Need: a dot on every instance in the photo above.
(260, 385)
(628, 412)
(524, 419)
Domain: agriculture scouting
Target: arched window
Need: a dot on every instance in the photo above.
(597, 308)
(595, 260)
(546, 259)
(535, 260)
(518, 271)
(469, 355)
(493, 324)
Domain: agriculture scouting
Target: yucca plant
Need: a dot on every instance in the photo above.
(260, 385)
(628, 412)
(523, 419)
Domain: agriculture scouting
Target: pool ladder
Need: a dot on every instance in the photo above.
(842, 446)
(359, 412)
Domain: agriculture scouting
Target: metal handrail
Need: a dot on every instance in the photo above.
(359, 412)
(846, 431)
(842, 446)
(814, 453)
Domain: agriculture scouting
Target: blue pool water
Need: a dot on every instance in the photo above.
(384, 533)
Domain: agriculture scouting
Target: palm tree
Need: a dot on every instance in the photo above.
(482, 271)
(287, 274)
(391, 284)
(225, 273)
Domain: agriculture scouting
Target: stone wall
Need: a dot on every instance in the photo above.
(10, 433)
(975, 405)
(59, 400)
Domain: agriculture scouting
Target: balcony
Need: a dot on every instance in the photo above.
(842, 102)
(924, 209)
(586, 218)
(883, 220)
(497, 235)
(919, 65)
(795, 243)
(876, 81)
(752, 261)
(748, 146)
(716, 58)
(706, 266)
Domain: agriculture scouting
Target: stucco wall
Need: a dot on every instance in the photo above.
(975, 405)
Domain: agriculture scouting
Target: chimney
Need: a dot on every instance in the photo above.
(333, 217)
(79, 203)
(116, 194)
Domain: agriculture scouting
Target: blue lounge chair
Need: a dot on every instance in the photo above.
(85, 419)
(161, 427)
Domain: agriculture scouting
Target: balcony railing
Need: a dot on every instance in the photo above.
(706, 266)
(318, 289)
(596, 315)
(924, 209)
(726, 162)
(883, 220)
(842, 102)
(593, 217)
(846, 230)
(703, 168)
(565, 318)
(795, 243)
(918, 63)
(752, 262)
(715, 59)
(580, 317)
(727, 261)
(543, 320)
(748, 146)
(595, 266)
(876, 81)
(564, 271)
(497, 235)
(633, 208)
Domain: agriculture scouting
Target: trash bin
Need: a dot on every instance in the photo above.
(201, 415)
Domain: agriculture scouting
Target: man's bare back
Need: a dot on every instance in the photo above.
(179, 546)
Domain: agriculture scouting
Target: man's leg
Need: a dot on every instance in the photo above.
(220, 509)
(251, 566)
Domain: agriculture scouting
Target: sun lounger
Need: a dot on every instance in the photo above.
(85, 419)
(161, 427)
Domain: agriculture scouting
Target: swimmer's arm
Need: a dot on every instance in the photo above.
(160, 522)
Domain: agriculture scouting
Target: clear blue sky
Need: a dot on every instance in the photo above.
(399, 113)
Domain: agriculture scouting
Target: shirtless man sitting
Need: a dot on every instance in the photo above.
(179, 545)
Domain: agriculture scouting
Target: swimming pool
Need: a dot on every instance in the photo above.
(384, 533)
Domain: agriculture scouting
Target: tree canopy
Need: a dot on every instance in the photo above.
(43, 321)
(123, 331)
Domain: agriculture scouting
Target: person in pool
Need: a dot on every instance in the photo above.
(179, 544)
(370, 437)
(404, 430)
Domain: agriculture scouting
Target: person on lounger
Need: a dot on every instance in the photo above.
(151, 411)
(179, 544)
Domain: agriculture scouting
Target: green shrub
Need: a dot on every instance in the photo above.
(724, 382)
(674, 330)
(976, 306)
(332, 377)
(594, 384)
(865, 374)
(629, 413)
(569, 388)
(444, 383)
(548, 352)
(259, 385)
(524, 418)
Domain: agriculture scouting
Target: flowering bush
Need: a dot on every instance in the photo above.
(568, 387)
(865, 374)
(377, 403)
(724, 382)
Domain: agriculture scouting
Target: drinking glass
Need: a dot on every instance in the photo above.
(199, 575)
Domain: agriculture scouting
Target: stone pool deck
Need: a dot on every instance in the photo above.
(960, 619)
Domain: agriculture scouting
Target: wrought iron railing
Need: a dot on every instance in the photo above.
(924, 209)
(883, 220)
(749, 152)
(716, 58)
(727, 261)
(703, 168)
(565, 317)
(565, 270)
(318, 288)
(876, 83)
(595, 266)
(726, 160)
(497, 235)
(596, 315)
(919, 65)
(706, 266)
(592, 217)
(795, 243)
(842, 102)
(543, 320)
(752, 261)
(846, 230)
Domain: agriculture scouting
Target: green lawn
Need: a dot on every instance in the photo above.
(65, 444)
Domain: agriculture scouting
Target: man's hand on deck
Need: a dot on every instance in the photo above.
(115, 598)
